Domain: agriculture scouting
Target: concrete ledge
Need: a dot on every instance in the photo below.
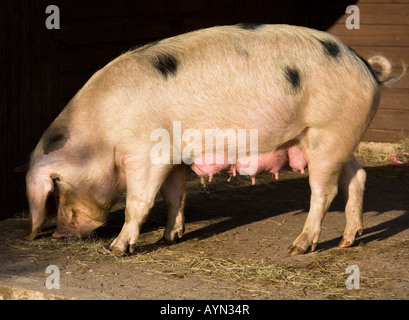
(20, 288)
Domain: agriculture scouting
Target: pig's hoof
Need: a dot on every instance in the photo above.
(31, 236)
(165, 241)
(349, 238)
(345, 243)
(303, 242)
(171, 237)
(118, 252)
(296, 250)
(168, 241)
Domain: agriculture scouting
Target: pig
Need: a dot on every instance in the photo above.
(309, 97)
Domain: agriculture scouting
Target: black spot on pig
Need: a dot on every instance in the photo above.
(330, 48)
(55, 139)
(166, 64)
(293, 77)
(249, 26)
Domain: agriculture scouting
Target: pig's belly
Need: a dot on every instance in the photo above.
(273, 162)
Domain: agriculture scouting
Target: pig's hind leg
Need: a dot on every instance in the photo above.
(326, 156)
(352, 183)
(142, 184)
(173, 192)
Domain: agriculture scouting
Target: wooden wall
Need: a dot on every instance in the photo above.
(42, 69)
(384, 30)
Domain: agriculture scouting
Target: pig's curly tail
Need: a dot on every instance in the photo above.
(383, 76)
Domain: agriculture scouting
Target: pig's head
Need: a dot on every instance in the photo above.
(80, 207)
(79, 191)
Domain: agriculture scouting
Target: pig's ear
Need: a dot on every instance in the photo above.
(39, 187)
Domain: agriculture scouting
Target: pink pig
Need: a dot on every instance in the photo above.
(309, 97)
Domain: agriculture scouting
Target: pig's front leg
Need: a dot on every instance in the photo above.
(142, 184)
(174, 192)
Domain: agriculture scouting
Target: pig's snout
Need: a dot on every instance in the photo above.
(68, 230)
(73, 231)
(66, 233)
(75, 225)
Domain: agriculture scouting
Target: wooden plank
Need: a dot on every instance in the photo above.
(391, 119)
(323, 14)
(373, 35)
(375, 135)
(387, 14)
(379, 14)
(392, 98)
(403, 83)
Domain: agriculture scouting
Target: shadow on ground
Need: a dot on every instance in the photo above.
(238, 203)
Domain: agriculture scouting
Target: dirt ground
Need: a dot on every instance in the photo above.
(235, 245)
